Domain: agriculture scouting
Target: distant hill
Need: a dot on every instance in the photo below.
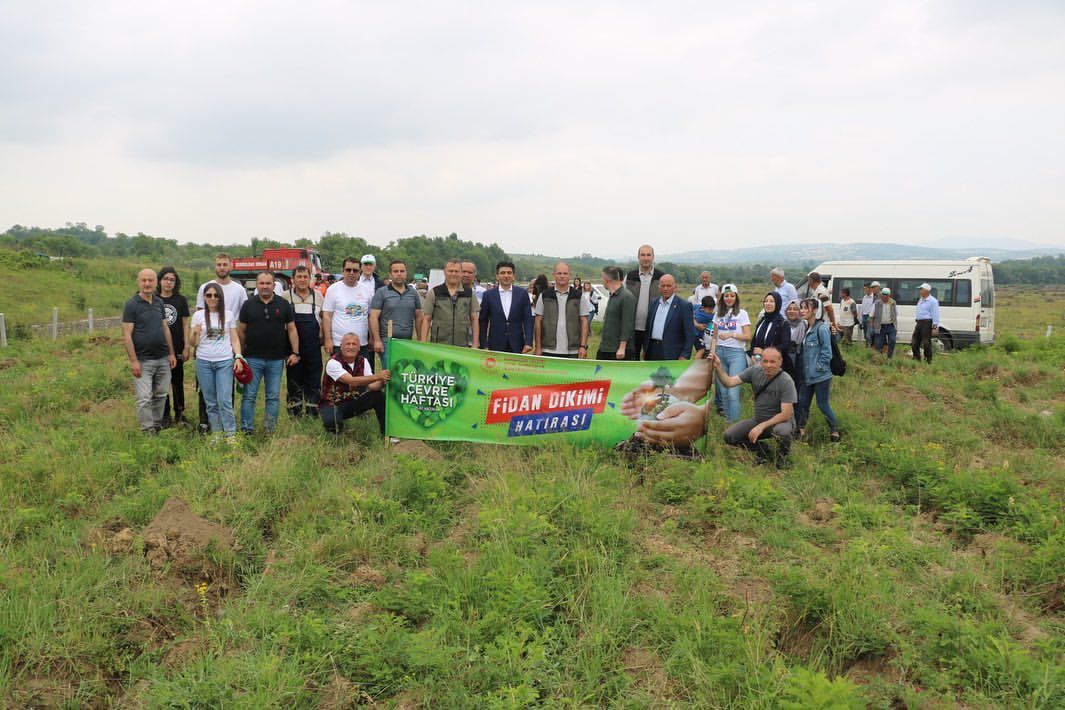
(814, 253)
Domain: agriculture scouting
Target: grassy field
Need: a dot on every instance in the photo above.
(920, 563)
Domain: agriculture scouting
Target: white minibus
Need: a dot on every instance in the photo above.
(964, 288)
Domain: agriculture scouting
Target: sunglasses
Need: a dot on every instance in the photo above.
(210, 295)
(350, 271)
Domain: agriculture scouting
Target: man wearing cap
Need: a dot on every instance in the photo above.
(927, 326)
(269, 341)
(346, 308)
(784, 288)
(868, 301)
(884, 323)
(643, 283)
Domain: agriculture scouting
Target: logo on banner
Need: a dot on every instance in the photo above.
(428, 395)
(548, 409)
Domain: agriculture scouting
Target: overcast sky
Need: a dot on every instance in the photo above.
(548, 127)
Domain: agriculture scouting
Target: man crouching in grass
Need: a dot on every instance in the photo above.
(350, 387)
(682, 423)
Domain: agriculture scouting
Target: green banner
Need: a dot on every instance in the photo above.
(459, 394)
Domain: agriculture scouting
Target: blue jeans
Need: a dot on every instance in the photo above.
(261, 369)
(886, 338)
(807, 392)
(734, 360)
(216, 384)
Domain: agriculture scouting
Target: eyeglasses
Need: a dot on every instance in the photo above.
(350, 271)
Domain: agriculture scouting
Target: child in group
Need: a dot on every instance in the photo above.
(704, 323)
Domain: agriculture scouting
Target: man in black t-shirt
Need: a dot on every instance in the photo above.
(150, 350)
(267, 331)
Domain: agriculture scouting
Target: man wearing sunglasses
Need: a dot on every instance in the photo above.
(269, 339)
(346, 308)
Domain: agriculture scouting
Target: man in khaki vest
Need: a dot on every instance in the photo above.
(561, 325)
(450, 310)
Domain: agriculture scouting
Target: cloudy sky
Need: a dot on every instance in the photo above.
(554, 127)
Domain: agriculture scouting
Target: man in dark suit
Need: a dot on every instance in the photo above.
(670, 324)
(506, 319)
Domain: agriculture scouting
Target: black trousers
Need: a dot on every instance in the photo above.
(333, 416)
(638, 345)
(604, 355)
(922, 340)
(177, 382)
(304, 379)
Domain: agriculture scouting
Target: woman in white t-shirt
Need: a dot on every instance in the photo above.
(733, 328)
(214, 339)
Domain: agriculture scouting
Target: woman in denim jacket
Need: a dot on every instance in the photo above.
(816, 369)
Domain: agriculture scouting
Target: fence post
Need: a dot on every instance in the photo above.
(55, 323)
(90, 320)
(1050, 328)
(3, 331)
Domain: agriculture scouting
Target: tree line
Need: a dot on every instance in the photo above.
(421, 253)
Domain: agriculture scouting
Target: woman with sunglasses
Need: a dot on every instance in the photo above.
(215, 342)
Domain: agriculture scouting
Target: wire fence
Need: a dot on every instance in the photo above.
(56, 328)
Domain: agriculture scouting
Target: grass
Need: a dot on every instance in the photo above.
(919, 563)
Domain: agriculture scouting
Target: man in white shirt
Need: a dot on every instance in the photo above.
(561, 323)
(469, 280)
(868, 302)
(346, 308)
(350, 387)
(233, 291)
(643, 282)
(705, 288)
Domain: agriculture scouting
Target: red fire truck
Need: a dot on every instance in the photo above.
(282, 262)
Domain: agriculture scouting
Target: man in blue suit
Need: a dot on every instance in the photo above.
(506, 314)
(670, 324)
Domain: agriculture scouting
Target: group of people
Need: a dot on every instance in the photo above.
(352, 320)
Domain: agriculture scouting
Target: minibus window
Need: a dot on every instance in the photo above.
(963, 293)
(987, 293)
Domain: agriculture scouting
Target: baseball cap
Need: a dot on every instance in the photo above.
(367, 259)
(730, 288)
(885, 291)
(244, 376)
(926, 286)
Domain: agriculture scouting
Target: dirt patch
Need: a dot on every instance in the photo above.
(107, 407)
(179, 537)
(115, 538)
(822, 511)
(417, 449)
(183, 652)
(869, 668)
(367, 576)
(44, 693)
(647, 671)
(8, 362)
(341, 694)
